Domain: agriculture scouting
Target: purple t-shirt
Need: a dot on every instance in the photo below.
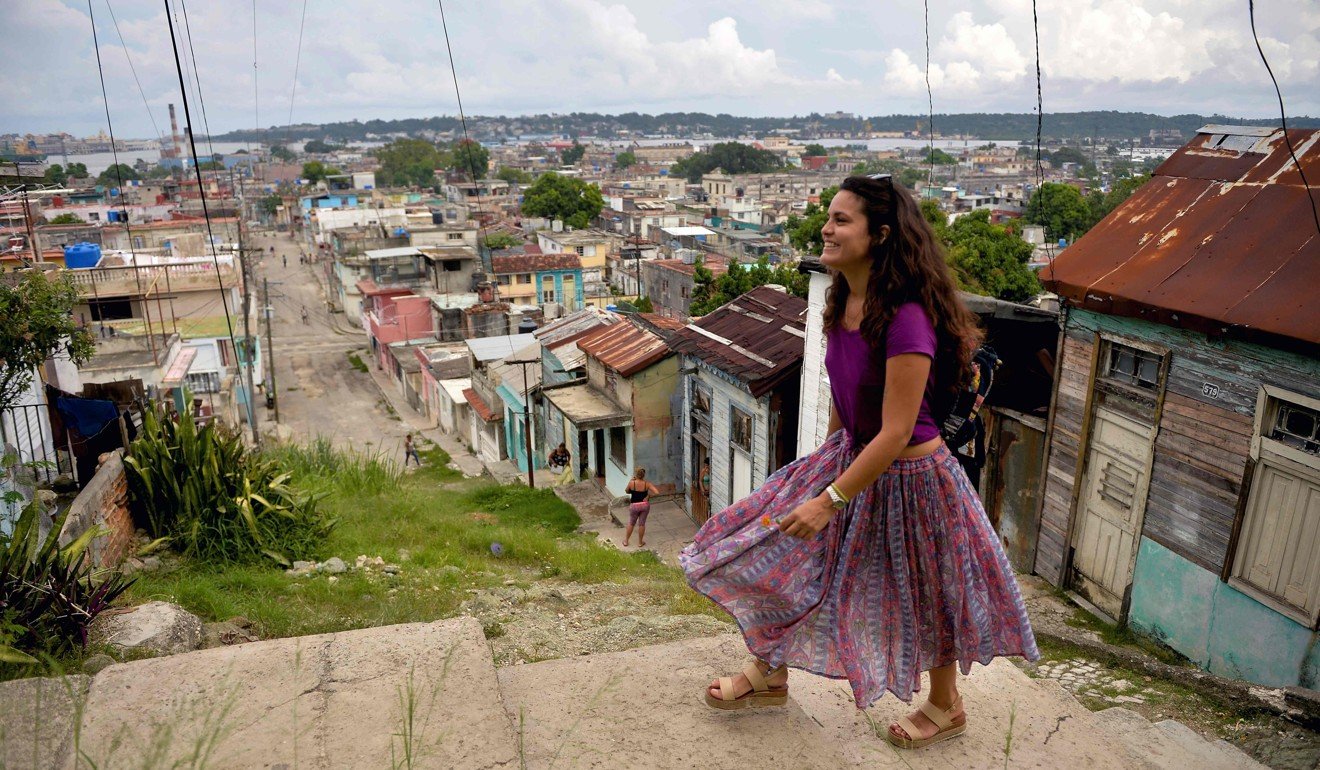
(858, 386)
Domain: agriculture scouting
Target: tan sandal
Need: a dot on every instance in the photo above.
(761, 694)
(947, 729)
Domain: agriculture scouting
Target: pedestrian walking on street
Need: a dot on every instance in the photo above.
(639, 489)
(285, 259)
(871, 559)
(304, 314)
(410, 451)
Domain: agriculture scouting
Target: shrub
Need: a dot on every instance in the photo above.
(213, 500)
(320, 464)
(48, 595)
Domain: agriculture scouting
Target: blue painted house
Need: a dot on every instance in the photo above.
(1182, 485)
(518, 376)
(536, 279)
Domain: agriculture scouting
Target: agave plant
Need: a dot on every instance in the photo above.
(216, 501)
(49, 595)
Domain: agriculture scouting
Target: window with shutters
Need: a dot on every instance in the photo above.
(1277, 560)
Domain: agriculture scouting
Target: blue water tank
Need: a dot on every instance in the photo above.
(82, 255)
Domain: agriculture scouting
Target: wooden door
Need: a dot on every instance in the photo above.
(1110, 507)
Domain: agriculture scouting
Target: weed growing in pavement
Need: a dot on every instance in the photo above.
(356, 361)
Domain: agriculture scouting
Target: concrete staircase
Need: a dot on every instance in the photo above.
(429, 695)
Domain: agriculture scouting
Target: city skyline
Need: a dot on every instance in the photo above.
(583, 55)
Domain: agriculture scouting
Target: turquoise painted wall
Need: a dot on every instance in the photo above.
(1218, 627)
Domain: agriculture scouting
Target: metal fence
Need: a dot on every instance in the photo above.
(26, 431)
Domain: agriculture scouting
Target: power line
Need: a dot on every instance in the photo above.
(1040, 122)
(1283, 115)
(197, 170)
(197, 79)
(256, 91)
(930, 104)
(476, 185)
(119, 177)
(297, 59)
(133, 69)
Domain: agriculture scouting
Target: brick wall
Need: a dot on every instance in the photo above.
(103, 502)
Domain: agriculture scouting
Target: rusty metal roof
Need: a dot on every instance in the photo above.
(479, 406)
(1220, 240)
(534, 263)
(562, 331)
(625, 347)
(757, 338)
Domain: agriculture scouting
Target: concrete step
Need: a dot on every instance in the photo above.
(37, 716)
(643, 708)
(339, 700)
(1171, 745)
(1207, 755)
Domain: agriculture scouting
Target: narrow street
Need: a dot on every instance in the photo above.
(320, 392)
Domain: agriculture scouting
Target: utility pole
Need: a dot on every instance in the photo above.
(248, 347)
(270, 347)
(527, 422)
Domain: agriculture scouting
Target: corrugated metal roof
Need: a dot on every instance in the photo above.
(624, 347)
(454, 388)
(757, 338)
(494, 348)
(574, 325)
(401, 251)
(510, 375)
(1221, 240)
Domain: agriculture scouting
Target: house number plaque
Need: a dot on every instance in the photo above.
(1210, 390)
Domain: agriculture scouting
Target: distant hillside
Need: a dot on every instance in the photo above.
(1109, 125)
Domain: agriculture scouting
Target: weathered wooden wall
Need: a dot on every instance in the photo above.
(1203, 441)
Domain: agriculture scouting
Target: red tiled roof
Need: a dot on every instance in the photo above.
(711, 262)
(758, 338)
(479, 406)
(624, 347)
(531, 263)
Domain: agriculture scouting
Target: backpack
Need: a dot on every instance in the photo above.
(959, 426)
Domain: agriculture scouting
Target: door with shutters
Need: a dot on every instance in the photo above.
(1110, 506)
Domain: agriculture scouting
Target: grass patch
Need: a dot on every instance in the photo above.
(439, 528)
(356, 361)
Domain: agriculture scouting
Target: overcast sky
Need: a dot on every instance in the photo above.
(386, 58)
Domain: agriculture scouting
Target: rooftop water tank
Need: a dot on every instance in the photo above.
(526, 326)
(82, 255)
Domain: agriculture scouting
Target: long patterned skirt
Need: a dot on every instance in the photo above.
(909, 577)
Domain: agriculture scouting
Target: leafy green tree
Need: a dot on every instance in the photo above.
(804, 232)
(500, 240)
(470, 159)
(409, 163)
(1061, 209)
(270, 204)
(941, 157)
(731, 157)
(640, 305)
(939, 221)
(211, 165)
(282, 154)
(67, 219)
(55, 174)
(569, 199)
(111, 176)
(710, 292)
(315, 171)
(1068, 155)
(318, 147)
(36, 322)
(573, 155)
(991, 260)
(625, 159)
(814, 150)
(513, 175)
(77, 171)
(909, 176)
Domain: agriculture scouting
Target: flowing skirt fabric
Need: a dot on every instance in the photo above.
(909, 577)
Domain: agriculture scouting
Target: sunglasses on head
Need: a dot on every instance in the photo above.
(881, 177)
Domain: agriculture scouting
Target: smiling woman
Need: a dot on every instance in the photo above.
(871, 559)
